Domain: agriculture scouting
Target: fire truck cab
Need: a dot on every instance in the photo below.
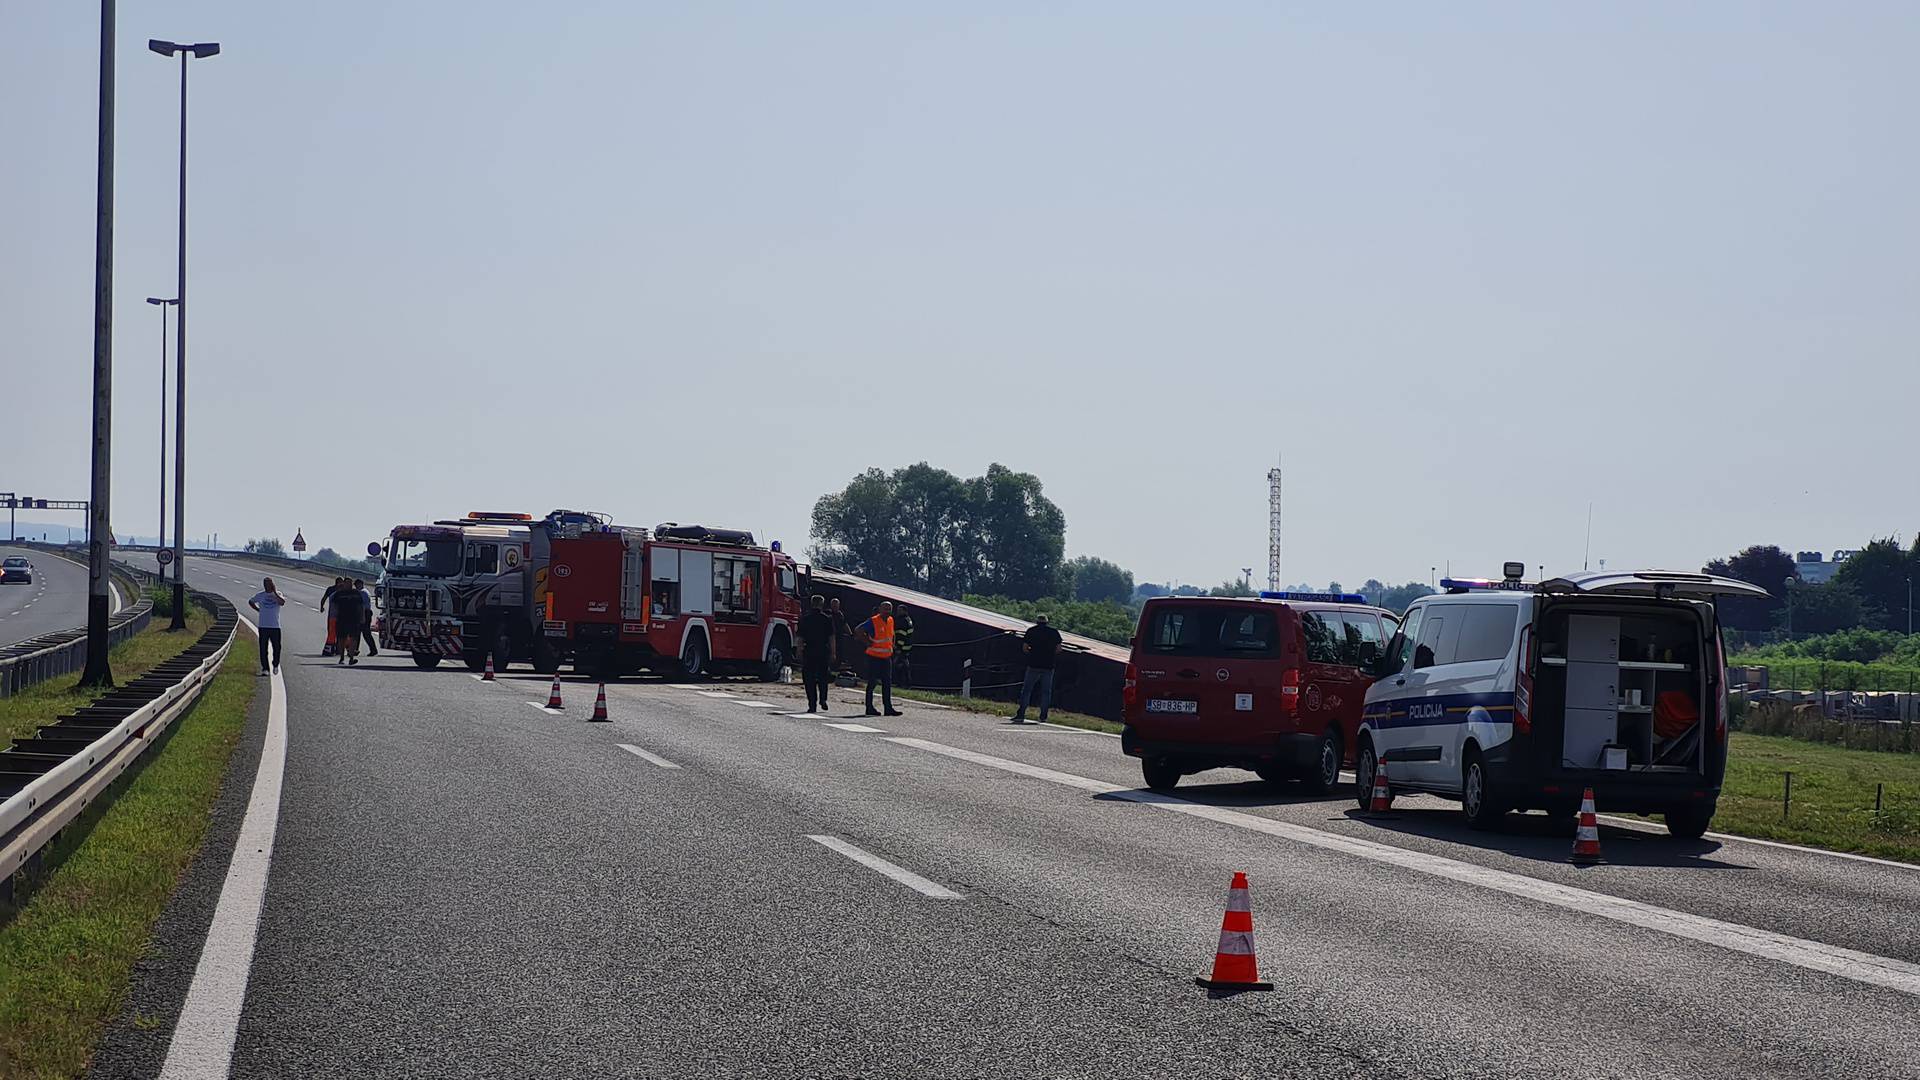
(680, 599)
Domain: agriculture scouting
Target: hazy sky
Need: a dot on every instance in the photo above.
(1469, 268)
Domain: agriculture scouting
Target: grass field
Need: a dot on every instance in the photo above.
(1003, 709)
(83, 919)
(37, 705)
(1833, 792)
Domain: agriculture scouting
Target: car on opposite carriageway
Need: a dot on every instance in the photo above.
(16, 570)
(1272, 683)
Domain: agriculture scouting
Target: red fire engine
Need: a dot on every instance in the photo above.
(681, 599)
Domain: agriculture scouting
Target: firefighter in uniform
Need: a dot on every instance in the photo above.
(878, 633)
(902, 646)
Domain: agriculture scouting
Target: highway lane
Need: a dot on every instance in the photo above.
(466, 884)
(56, 599)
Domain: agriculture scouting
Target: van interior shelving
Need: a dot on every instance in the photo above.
(1628, 683)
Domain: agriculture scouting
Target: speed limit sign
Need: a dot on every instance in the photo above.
(165, 556)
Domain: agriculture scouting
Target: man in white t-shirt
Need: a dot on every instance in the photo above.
(268, 603)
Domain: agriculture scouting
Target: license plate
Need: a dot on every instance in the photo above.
(1166, 705)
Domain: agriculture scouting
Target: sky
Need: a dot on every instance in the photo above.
(1468, 269)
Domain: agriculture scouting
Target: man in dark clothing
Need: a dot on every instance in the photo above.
(841, 631)
(817, 648)
(902, 646)
(1042, 645)
(326, 608)
(347, 612)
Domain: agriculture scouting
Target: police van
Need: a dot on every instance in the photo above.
(1510, 696)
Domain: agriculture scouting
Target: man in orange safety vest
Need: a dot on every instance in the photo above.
(877, 632)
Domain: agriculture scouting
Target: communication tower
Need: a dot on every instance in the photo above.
(1273, 528)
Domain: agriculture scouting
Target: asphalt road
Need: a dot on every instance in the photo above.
(465, 884)
(56, 598)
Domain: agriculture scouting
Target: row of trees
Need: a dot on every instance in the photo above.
(1871, 590)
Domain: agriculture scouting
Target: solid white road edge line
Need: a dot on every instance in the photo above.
(1813, 955)
(757, 704)
(898, 873)
(202, 1045)
(644, 756)
(857, 727)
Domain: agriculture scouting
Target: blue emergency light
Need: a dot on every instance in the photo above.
(776, 546)
(1316, 597)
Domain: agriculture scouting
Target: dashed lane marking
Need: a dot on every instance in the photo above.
(757, 704)
(644, 756)
(542, 706)
(1861, 967)
(898, 873)
(862, 728)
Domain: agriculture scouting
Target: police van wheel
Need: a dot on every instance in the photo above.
(426, 661)
(1160, 774)
(1325, 771)
(1689, 822)
(1478, 801)
(1364, 765)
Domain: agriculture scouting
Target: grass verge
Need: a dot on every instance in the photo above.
(36, 705)
(68, 949)
(990, 707)
(1833, 791)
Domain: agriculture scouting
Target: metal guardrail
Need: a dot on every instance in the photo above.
(48, 780)
(37, 659)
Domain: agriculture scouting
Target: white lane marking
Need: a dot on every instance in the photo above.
(644, 756)
(542, 706)
(1638, 825)
(1860, 967)
(858, 727)
(898, 873)
(757, 704)
(715, 694)
(928, 704)
(203, 1039)
(1082, 730)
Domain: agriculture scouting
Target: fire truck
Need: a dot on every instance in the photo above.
(683, 600)
(472, 587)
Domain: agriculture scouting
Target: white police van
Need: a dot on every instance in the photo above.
(1510, 696)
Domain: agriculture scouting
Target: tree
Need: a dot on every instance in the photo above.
(927, 529)
(266, 547)
(1878, 575)
(1147, 590)
(1823, 609)
(1098, 581)
(1764, 565)
(1232, 588)
(1397, 597)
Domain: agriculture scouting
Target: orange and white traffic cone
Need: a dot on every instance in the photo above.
(1586, 835)
(488, 677)
(553, 695)
(599, 706)
(1381, 801)
(1234, 967)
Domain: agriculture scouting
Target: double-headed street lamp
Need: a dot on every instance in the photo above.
(160, 538)
(200, 50)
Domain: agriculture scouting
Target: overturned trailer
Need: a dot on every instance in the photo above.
(957, 646)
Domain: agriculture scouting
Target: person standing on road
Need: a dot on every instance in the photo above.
(1042, 645)
(817, 647)
(366, 620)
(347, 612)
(841, 631)
(877, 632)
(902, 646)
(268, 603)
(326, 605)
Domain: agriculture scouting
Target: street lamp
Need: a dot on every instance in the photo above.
(200, 50)
(160, 538)
(99, 671)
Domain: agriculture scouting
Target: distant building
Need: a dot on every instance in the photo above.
(1815, 570)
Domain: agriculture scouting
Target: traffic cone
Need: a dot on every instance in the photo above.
(1382, 799)
(1234, 966)
(1586, 836)
(488, 677)
(599, 706)
(553, 695)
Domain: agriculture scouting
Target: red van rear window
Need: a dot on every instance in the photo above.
(1211, 630)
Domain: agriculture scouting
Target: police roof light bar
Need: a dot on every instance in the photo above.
(1316, 597)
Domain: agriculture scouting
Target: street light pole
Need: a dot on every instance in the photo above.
(204, 49)
(97, 671)
(160, 538)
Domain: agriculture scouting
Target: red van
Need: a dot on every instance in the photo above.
(1272, 684)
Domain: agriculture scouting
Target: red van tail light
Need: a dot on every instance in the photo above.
(1130, 686)
(1720, 689)
(1523, 685)
(1290, 691)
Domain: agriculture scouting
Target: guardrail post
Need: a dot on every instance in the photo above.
(966, 678)
(1786, 798)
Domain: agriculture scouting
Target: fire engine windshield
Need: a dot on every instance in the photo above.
(426, 558)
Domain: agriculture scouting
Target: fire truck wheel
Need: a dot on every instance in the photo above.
(693, 659)
(776, 659)
(475, 659)
(425, 661)
(545, 660)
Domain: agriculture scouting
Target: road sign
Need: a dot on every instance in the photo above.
(373, 550)
(165, 556)
(299, 540)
